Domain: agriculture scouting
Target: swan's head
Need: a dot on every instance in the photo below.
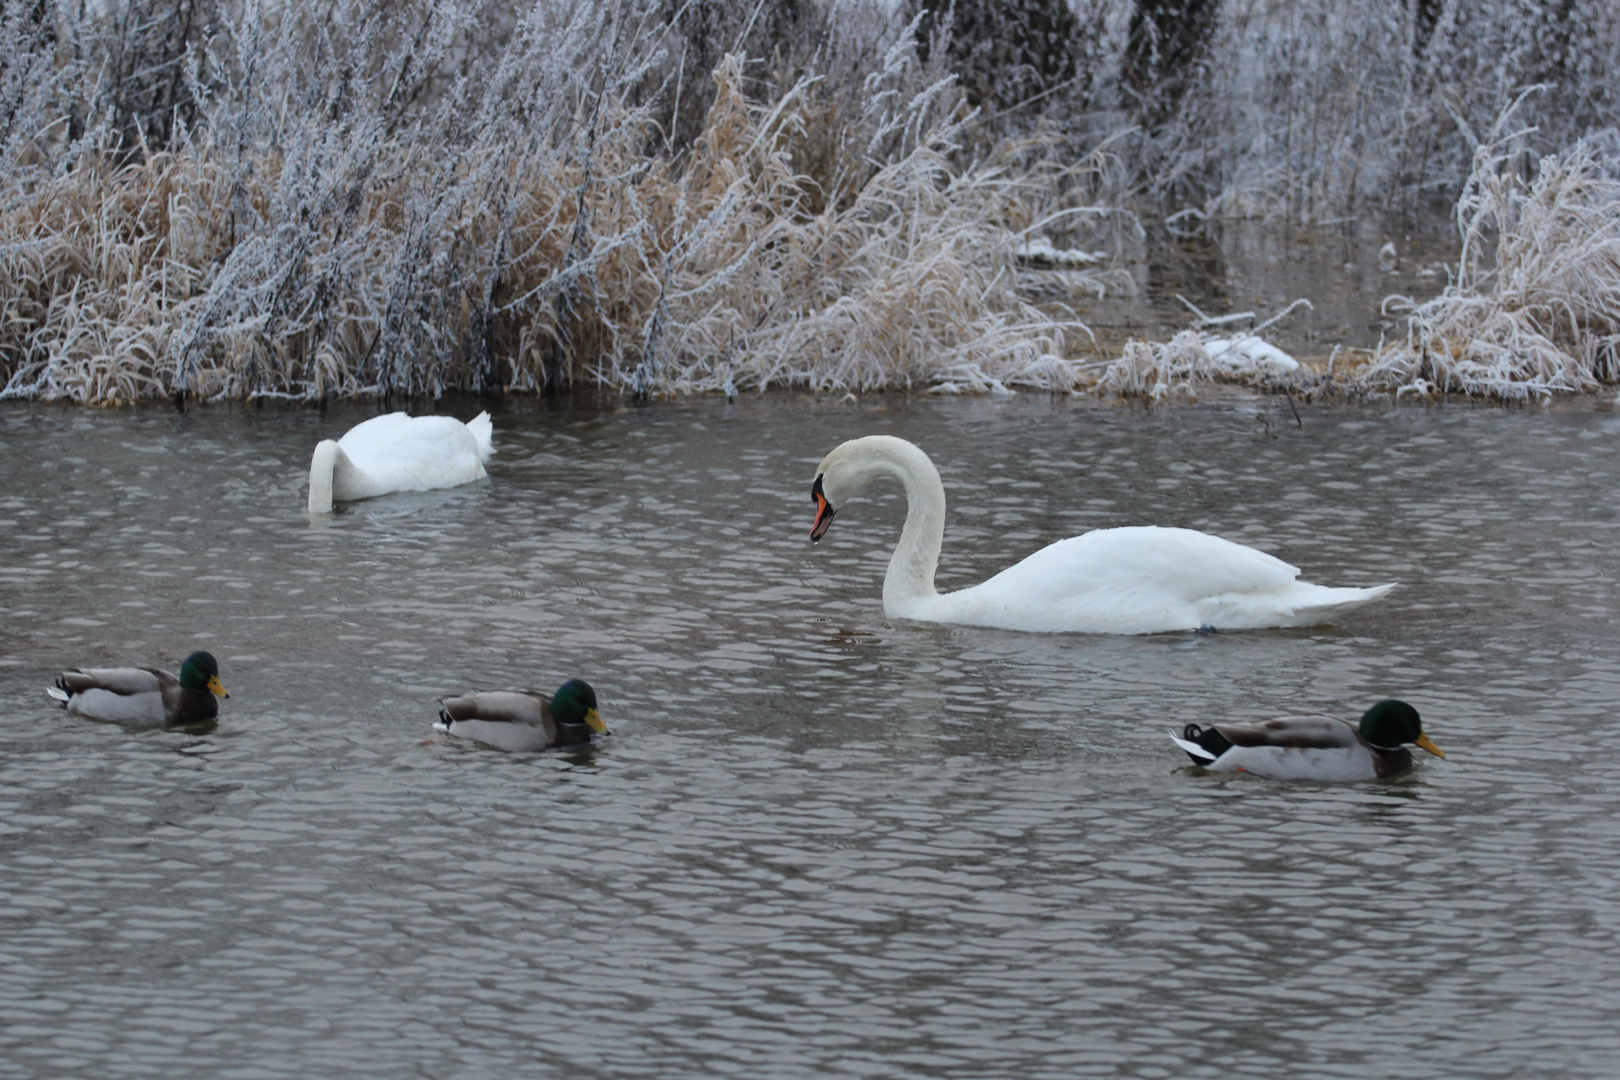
(856, 463)
(1389, 724)
(201, 672)
(575, 703)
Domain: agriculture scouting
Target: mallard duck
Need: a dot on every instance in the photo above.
(523, 719)
(144, 696)
(1312, 747)
(398, 452)
(1137, 580)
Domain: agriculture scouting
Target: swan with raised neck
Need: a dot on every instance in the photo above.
(1132, 580)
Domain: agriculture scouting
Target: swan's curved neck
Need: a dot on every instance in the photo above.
(322, 473)
(911, 568)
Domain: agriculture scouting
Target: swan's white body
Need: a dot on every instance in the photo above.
(398, 452)
(1137, 580)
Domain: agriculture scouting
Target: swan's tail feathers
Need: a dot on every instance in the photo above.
(483, 433)
(1330, 603)
(1297, 604)
(1202, 744)
(58, 693)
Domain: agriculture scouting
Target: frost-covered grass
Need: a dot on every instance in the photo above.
(248, 199)
(1158, 371)
(540, 232)
(1534, 307)
(122, 283)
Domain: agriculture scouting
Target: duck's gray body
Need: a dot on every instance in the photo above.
(508, 720)
(1300, 748)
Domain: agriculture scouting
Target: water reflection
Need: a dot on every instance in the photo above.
(816, 844)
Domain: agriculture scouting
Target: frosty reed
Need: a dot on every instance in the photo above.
(221, 200)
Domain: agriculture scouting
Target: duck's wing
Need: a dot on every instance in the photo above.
(498, 707)
(130, 680)
(1315, 732)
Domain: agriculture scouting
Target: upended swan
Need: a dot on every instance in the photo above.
(398, 452)
(1135, 580)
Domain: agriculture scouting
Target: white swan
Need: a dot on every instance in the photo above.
(1137, 580)
(398, 452)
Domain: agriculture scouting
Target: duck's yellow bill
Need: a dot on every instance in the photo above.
(595, 721)
(1423, 741)
(216, 686)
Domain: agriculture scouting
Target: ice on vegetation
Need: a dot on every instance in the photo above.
(1247, 353)
(1534, 305)
(399, 200)
(1038, 252)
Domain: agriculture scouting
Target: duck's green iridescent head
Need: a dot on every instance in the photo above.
(201, 672)
(1389, 724)
(575, 703)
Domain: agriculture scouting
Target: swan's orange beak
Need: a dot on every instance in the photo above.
(824, 512)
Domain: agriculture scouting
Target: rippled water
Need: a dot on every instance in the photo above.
(817, 844)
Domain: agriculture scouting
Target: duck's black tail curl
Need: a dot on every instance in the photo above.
(1208, 738)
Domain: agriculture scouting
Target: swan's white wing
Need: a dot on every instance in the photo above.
(404, 453)
(1145, 580)
(1136, 580)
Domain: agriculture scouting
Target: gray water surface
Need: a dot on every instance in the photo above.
(817, 844)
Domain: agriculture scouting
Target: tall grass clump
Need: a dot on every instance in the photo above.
(1534, 305)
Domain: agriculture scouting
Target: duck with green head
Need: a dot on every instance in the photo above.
(1312, 747)
(144, 696)
(524, 719)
